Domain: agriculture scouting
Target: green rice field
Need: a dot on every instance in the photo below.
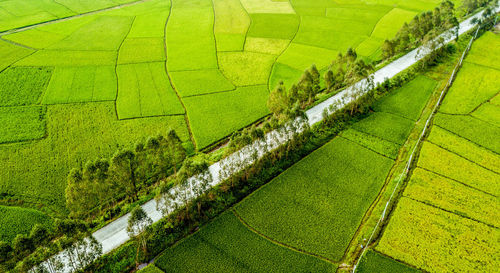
(447, 219)
(80, 79)
(311, 211)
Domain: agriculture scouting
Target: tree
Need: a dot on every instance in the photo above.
(5, 250)
(278, 100)
(22, 244)
(329, 80)
(138, 223)
(125, 169)
(315, 78)
(387, 49)
(177, 153)
(39, 234)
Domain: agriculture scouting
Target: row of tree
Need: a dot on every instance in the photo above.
(422, 29)
(103, 182)
(469, 6)
(344, 71)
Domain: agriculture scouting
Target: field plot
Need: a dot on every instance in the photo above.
(440, 241)
(450, 205)
(81, 84)
(317, 205)
(216, 115)
(374, 262)
(236, 249)
(19, 220)
(144, 91)
(76, 133)
(122, 74)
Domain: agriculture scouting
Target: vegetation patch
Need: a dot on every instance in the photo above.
(474, 85)
(246, 68)
(374, 262)
(318, 203)
(144, 91)
(231, 25)
(379, 145)
(284, 26)
(409, 100)
(465, 148)
(17, 220)
(488, 112)
(453, 166)
(10, 53)
(301, 56)
(81, 84)
(35, 38)
(452, 196)
(387, 126)
(485, 52)
(23, 85)
(68, 58)
(212, 250)
(215, 116)
(389, 25)
(142, 50)
(149, 25)
(197, 82)
(266, 45)
(21, 123)
(470, 128)
(285, 73)
(439, 239)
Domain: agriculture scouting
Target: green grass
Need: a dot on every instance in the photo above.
(268, 6)
(149, 25)
(369, 46)
(10, 53)
(35, 38)
(142, 50)
(68, 58)
(86, 6)
(465, 148)
(151, 269)
(182, 52)
(387, 126)
(432, 239)
(379, 145)
(470, 128)
(144, 91)
(474, 85)
(231, 25)
(409, 100)
(318, 203)
(246, 68)
(36, 171)
(215, 116)
(197, 82)
(485, 51)
(17, 220)
(284, 26)
(451, 165)
(226, 245)
(285, 73)
(21, 123)
(389, 25)
(104, 33)
(374, 262)
(266, 45)
(81, 84)
(23, 85)
(444, 193)
(301, 56)
(330, 33)
(488, 112)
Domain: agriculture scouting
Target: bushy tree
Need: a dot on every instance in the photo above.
(138, 223)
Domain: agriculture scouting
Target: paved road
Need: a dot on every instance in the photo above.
(114, 234)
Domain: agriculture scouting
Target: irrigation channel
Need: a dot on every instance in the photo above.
(115, 234)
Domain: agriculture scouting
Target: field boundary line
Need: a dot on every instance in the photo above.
(461, 156)
(471, 141)
(417, 145)
(280, 243)
(484, 102)
(451, 212)
(186, 118)
(116, 66)
(62, 19)
(363, 146)
(456, 181)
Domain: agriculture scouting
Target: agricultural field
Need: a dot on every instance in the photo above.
(450, 205)
(80, 79)
(312, 209)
